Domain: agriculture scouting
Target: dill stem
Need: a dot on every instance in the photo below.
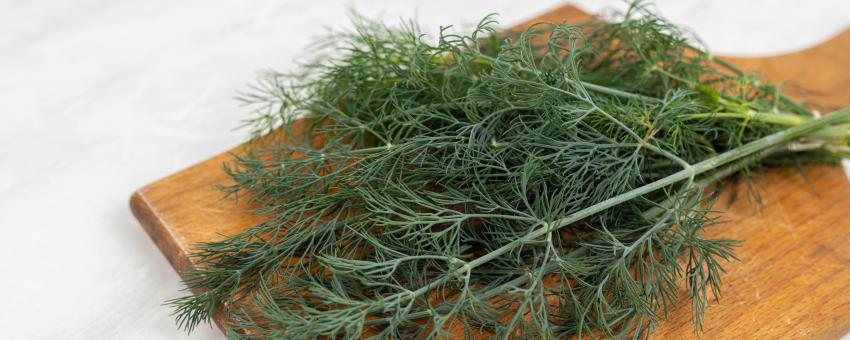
(775, 118)
(828, 132)
(689, 172)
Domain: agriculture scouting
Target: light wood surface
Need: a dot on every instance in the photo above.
(793, 276)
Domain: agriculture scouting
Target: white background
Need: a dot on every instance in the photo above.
(100, 97)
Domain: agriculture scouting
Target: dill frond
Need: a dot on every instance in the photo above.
(538, 184)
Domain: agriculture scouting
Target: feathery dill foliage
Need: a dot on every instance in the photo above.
(542, 183)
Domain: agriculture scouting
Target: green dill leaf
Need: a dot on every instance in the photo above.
(552, 182)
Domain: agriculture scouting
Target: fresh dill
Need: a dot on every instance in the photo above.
(547, 183)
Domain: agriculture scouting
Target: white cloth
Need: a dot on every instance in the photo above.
(98, 98)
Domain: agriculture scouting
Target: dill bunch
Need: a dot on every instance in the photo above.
(546, 183)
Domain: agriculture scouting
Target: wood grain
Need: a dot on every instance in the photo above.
(793, 276)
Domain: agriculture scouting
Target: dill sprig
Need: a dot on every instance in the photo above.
(545, 183)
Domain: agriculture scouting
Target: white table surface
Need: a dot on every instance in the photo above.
(99, 97)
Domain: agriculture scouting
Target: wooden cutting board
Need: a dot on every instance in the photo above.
(793, 277)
